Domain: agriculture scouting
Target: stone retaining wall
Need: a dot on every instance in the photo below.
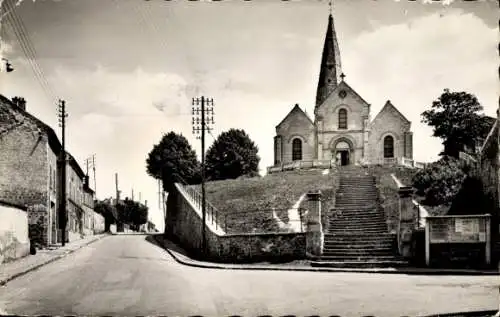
(183, 225)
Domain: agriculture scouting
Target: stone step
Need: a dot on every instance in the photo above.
(343, 185)
(359, 244)
(353, 206)
(371, 207)
(356, 192)
(360, 236)
(360, 215)
(354, 230)
(358, 224)
(368, 202)
(357, 219)
(359, 264)
(355, 215)
(358, 252)
(362, 224)
(360, 257)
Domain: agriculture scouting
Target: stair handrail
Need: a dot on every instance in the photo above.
(211, 211)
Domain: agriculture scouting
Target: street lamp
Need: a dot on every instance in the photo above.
(8, 65)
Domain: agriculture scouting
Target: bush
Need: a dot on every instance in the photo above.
(439, 182)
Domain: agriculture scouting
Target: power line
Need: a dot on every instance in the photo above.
(29, 51)
(33, 50)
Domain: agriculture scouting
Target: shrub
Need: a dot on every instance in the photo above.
(439, 182)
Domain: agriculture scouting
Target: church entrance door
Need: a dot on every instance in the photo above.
(342, 153)
(344, 157)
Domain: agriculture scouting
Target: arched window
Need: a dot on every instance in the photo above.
(296, 150)
(342, 119)
(388, 146)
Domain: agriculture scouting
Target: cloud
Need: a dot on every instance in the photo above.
(122, 94)
(412, 63)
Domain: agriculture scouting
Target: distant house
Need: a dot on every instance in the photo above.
(30, 175)
(75, 198)
(92, 222)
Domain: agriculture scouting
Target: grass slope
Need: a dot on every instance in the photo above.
(389, 189)
(247, 203)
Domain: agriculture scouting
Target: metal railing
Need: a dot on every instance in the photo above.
(212, 213)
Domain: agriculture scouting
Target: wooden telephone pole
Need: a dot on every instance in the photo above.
(202, 109)
(90, 162)
(63, 218)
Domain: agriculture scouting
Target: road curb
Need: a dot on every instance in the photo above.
(193, 263)
(36, 267)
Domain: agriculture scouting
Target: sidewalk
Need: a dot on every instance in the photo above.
(19, 267)
(181, 257)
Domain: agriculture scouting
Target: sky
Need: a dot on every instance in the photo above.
(128, 69)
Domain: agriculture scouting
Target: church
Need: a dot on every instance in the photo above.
(342, 129)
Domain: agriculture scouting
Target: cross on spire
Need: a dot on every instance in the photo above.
(342, 76)
(330, 6)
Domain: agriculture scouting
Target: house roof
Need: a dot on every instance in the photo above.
(388, 105)
(54, 143)
(298, 110)
(53, 140)
(76, 167)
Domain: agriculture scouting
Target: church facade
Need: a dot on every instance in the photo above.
(342, 129)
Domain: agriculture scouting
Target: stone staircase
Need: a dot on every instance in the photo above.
(356, 234)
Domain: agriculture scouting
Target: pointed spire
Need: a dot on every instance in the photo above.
(330, 64)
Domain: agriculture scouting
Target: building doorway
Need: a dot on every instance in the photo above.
(343, 157)
(342, 153)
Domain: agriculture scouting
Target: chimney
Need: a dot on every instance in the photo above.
(20, 102)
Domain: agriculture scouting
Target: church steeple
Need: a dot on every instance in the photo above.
(330, 64)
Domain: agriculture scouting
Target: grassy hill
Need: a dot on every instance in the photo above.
(246, 204)
(389, 189)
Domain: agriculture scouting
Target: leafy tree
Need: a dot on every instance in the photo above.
(173, 160)
(108, 211)
(456, 120)
(132, 213)
(233, 154)
(439, 182)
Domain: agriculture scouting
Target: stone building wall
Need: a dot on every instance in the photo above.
(24, 171)
(388, 122)
(296, 125)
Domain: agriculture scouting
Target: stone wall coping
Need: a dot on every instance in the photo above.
(459, 216)
(264, 234)
(8, 204)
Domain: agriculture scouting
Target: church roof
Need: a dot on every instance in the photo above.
(389, 106)
(345, 86)
(295, 110)
(330, 68)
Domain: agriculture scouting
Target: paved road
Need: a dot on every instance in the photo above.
(126, 275)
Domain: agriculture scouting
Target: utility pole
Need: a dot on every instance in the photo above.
(132, 194)
(90, 162)
(202, 107)
(93, 168)
(62, 115)
(116, 187)
(159, 193)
